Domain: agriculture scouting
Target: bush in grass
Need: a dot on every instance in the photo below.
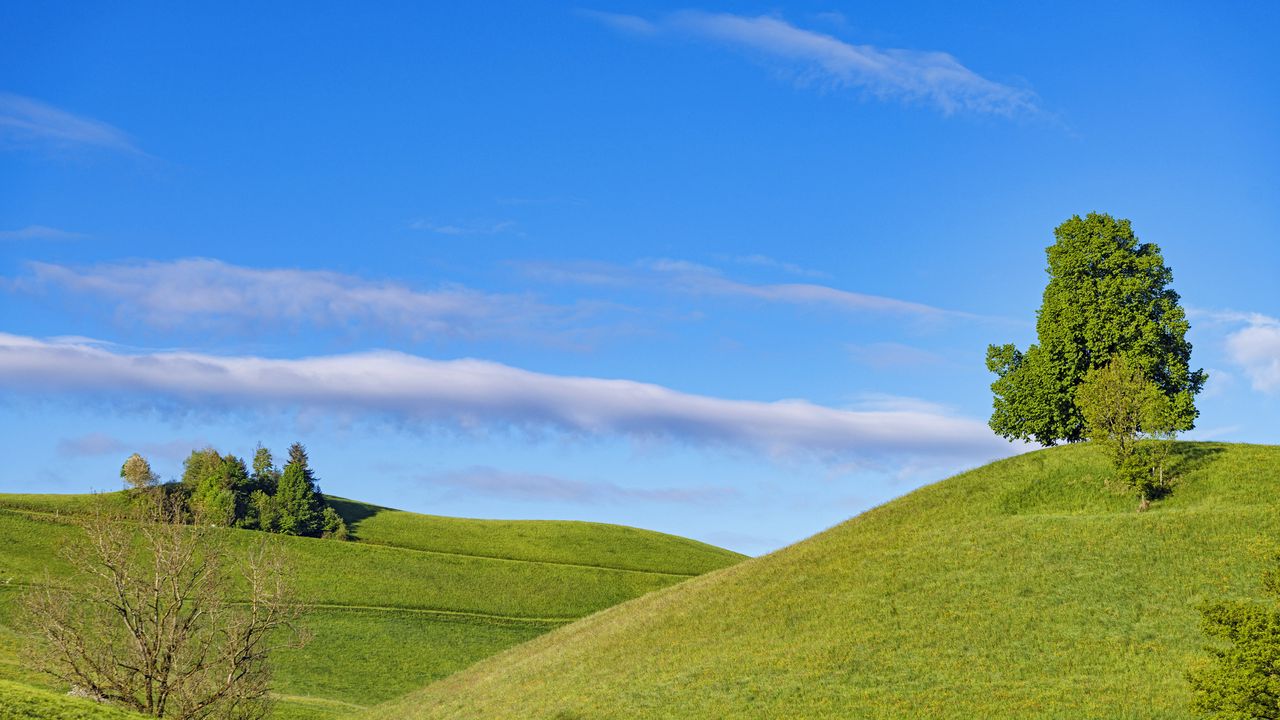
(1240, 680)
(333, 526)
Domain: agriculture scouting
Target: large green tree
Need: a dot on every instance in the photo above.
(218, 486)
(1107, 295)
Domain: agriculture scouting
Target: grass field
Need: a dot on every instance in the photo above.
(23, 702)
(414, 599)
(1023, 589)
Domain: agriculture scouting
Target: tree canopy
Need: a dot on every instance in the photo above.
(221, 490)
(1107, 295)
(137, 473)
(300, 504)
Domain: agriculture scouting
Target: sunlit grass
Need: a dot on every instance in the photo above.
(23, 702)
(417, 598)
(1024, 589)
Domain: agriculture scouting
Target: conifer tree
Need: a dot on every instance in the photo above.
(265, 475)
(299, 505)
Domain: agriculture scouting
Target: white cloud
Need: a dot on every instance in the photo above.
(932, 77)
(203, 291)
(484, 396)
(624, 23)
(25, 121)
(39, 232)
(765, 261)
(888, 402)
(1256, 349)
(1220, 381)
(532, 487)
(694, 279)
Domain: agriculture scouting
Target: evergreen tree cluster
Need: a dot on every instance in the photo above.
(223, 490)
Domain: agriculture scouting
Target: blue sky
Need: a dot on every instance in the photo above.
(727, 271)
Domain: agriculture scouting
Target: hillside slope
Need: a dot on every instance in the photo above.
(1021, 589)
(414, 599)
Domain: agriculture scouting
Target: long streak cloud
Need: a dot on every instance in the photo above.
(203, 291)
(484, 396)
(932, 77)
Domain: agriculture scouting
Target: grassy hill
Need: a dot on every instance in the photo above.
(23, 702)
(415, 598)
(1023, 589)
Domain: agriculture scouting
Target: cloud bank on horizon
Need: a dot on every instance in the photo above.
(488, 397)
(931, 77)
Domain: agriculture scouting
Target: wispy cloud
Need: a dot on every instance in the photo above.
(204, 292)
(1256, 349)
(816, 58)
(764, 261)
(484, 396)
(40, 232)
(633, 24)
(532, 487)
(695, 279)
(476, 227)
(893, 355)
(98, 444)
(25, 121)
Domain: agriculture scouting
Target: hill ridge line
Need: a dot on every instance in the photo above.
(526, 560)
(389, 546)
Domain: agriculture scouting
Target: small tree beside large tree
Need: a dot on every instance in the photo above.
(1128, 415)
(1107, 295)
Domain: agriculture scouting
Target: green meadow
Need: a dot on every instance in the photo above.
(414, 599)
(24, 702)
(1022, 589)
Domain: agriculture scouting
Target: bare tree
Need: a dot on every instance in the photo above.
(157, 621)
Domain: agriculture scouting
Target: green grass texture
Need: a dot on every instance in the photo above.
(414, 599)
(23, 702)
(1023, 589)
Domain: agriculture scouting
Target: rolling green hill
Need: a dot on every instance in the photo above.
(415, 598)
(1023, 589)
